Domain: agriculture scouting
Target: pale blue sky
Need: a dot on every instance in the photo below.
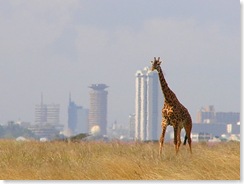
(60, 46)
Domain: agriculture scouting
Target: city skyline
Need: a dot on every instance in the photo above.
(65, 49)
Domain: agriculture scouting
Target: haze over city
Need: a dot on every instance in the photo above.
(59, 47)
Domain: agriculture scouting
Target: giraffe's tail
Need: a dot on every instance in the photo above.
(185, 140)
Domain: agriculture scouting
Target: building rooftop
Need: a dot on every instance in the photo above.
(98, 86)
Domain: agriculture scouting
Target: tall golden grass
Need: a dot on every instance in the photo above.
(117, 161)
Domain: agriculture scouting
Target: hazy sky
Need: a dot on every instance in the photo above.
(62, 46)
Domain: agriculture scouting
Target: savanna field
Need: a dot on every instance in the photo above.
(117, 161)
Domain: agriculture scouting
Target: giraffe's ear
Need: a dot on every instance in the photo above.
(152, 62)
(159, 62)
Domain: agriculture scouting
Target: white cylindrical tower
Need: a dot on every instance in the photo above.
(138, 105)
(152, 106)
(143, 125)
(147, 101)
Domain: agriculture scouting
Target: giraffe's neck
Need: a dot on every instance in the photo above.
(169, 95)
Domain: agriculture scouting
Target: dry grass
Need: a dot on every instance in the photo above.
(117, 161)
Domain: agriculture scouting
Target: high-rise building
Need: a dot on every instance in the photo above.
(77, 118)
(72, 116)
(148, 104)
(47, 113)
(98, 107)
(82, 120)
(53, 113)
(40, 114)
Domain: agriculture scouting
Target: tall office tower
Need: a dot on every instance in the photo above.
(98, 107)
(82, 120)
(41, 112)
(138, 105)
(72, 116)
(154, 106)
(47, 113)
(148, 104)
(77, 118)
(53, 114)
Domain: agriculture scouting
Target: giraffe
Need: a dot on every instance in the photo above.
(173, 112)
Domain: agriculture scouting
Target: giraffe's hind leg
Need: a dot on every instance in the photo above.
(189, 141)
(177, 140)
(185, 140)
(161, 141)
(188, 136)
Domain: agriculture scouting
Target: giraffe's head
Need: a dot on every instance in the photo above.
(155, 64)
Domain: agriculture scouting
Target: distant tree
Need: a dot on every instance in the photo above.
(78, 137)
(75, 138)
(13, 130)
(1, 131)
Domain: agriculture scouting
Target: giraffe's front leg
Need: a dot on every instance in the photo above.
(161, 141)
